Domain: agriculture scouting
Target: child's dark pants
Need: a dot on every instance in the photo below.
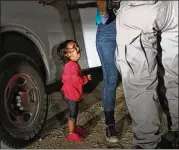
(73, 108)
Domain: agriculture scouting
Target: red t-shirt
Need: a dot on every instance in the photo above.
(73, 81)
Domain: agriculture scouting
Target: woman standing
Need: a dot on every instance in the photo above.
(106, 45)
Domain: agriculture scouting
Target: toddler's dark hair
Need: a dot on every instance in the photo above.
(61, 51)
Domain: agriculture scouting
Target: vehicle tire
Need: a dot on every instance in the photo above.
(23, 104)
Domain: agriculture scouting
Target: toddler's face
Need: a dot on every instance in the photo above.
(73, 51)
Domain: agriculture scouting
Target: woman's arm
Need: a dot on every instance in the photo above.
(102, 5)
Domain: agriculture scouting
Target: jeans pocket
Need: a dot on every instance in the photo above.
(101, 26)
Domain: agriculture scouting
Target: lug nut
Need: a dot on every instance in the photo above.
(20, 93)
(19, 104)
(21, 108)
(19, 101)
(18, 97)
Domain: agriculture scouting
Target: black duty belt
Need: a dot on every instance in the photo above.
(113, 4)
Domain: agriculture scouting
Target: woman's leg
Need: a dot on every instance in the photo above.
(106, 45)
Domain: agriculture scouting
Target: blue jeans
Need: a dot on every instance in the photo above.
(106, 45)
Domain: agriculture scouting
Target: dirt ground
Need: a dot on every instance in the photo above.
(90, 116)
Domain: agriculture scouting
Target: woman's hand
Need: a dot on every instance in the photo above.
(105, 18)
(102, 5)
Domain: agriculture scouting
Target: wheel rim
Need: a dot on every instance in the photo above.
(21, 100)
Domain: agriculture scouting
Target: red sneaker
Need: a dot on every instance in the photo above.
(74, 137)
(80, 130)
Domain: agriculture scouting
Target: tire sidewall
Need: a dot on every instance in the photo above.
(12, 135)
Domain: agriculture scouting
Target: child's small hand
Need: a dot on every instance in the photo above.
(89, 77)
